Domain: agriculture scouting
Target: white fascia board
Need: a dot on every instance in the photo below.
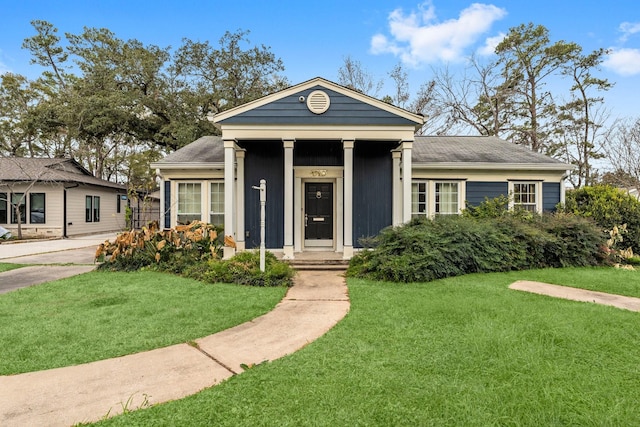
(388, 133)
(187, 165)
(318, 81)
(493, 166)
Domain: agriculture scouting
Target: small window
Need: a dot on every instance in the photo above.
(419, 201)
(37, 208)
(96, 208)
(189, 202)
(525, 196)
(446, 198)
(18, 199)
(3, 208)
(117, 203)
(88, 209)
(216, 214)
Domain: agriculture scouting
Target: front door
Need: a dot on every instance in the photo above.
(318, 218)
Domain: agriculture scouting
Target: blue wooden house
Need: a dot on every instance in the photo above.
(340, 166)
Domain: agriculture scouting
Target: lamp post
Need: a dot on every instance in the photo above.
(263, 201)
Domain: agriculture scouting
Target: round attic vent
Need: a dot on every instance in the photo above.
(318, 102)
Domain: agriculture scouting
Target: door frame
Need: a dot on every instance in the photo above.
(320, 243)
(329, 174)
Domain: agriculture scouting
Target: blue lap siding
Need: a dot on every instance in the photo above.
(477, 191)
(550, 195)
(264, 160)
(372, 188)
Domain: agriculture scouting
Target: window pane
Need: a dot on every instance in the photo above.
(447, 198)
(88, 209)
(36, 208)
(3, 208)
(96, 209)
(524, 196)
(17, 199)
(216, 212)
(189, 202)
(418, 199)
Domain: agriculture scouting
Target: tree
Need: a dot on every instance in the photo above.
(353, 75)
(580, 120)
(401, 86)
(527, 57)
(230, 75)
(17, 101)
(622, 146)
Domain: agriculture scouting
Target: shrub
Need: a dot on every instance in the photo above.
(425, 250)
(608, 207)
(168, 250)
(244, 269)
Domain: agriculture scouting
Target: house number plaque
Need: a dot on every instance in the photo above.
(319, 172)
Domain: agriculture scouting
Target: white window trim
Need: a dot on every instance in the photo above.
(209, 184)
(176, 202)
(538, 186)
(431, 195)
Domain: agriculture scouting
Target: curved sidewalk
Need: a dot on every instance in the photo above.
(90, 392)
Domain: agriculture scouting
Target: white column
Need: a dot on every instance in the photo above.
(348, 198)
(396, 215)
(406, 180)
(339, 215)
(288, 199)
(229, 187)
(240, 243)
(297, 218)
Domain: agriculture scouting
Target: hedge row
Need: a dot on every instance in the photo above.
(426, 250)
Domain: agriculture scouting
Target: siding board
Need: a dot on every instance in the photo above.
(372, 189)
(478, 190)
(550, 196)
(264, 160)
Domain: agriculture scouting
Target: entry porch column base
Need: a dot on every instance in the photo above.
(287, 252)
(228, 252)
(347, 252)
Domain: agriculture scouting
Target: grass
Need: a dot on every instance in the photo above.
(459, 351)
(99, 315)
(8, 266)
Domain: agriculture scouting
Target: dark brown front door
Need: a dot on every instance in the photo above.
(318, 217)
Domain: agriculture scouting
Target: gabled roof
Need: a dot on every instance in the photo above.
(207, 149)
(23, 169)
(482, 152)
(315, 84)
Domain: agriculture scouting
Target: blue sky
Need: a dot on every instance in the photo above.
(313, 37)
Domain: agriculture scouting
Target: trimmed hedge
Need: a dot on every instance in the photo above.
(426, 250)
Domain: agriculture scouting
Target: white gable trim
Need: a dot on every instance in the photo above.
(318, 81)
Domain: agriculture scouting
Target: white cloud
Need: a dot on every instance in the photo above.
(418, 37)
(628, 29)
(625, 62)
(490, 44)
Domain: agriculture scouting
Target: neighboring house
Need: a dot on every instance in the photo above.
(62, 198)
(339, 165)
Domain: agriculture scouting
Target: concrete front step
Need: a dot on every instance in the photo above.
(319, 264)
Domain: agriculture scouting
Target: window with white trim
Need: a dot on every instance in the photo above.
(431, 197)
(447, 196)
(216, 212)
(419, 198)
(189, 202)
(525, 195)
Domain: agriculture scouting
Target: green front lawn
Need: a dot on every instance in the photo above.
(463, 351)
(99, 315)
(7, 266)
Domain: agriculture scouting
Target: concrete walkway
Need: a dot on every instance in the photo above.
(89, 392)
(576, 294)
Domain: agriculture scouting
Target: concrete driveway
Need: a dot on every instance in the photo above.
(48, 260)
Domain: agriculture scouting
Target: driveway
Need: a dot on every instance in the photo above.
(48, 260)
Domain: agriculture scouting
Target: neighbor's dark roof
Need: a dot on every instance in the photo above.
(49, 170)
(208, 149)
(475, 149)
